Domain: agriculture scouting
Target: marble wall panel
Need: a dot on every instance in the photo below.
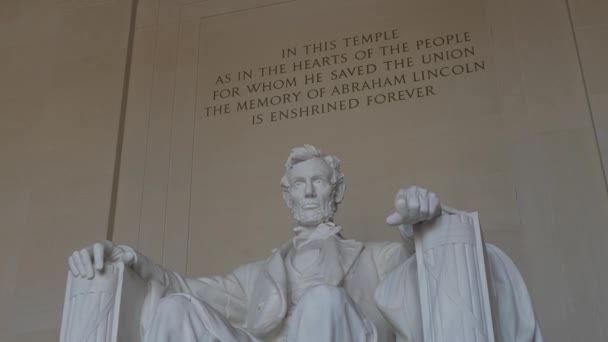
(63, 66)
(536, 178)
(537, 161)
(521, 142)
(590, 28)
(556, 166)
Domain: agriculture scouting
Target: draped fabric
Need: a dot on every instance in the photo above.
(325, 314)
(454, 288)
(184, 318)
(260, 299)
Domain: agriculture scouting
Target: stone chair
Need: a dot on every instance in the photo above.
(105, 309)
(486, 302)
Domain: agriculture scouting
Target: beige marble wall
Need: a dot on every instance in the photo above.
(62, 68)
(537, 177)
(556, 166)
(588, 18)
(532, 165)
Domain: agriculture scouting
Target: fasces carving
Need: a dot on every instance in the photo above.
(105, 308)
(435, 284)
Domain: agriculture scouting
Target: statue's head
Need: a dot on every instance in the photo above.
(313, 185)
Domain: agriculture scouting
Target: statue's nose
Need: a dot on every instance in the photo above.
(310, 190)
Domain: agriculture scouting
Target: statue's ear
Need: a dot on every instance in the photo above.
(285, 191)
(286, 197)
(339, 195)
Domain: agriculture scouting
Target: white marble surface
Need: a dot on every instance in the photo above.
(61, 108)
(321, 287)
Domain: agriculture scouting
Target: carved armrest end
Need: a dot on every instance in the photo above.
(106, 308)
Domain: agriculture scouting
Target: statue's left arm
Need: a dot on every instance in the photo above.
(453, 278)
(412, 205)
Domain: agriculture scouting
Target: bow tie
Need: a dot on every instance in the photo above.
(322, 232)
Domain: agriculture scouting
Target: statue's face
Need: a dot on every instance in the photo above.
(311, 192)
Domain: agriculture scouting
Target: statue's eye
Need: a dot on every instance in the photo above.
(298, 183)
(319, 181)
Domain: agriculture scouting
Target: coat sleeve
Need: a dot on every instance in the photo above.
(512, 309)
(388, 255)
(229, 294)
(455, 292)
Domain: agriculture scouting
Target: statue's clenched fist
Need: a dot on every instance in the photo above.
(413, 205)
(85, 262)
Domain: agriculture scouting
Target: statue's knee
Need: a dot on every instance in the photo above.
(176, 315)
(325, 295)
(173, 309)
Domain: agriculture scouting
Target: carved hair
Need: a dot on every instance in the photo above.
(307, 152)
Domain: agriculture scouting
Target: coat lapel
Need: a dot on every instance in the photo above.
(268, 307)
(340, 256)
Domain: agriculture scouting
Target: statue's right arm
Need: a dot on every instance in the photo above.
(234, 285)
(85, 262)
(228, 293)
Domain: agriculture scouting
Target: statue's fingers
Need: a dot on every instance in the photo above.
(422, 192)
(79, 265)
(434, 207)
(128, 258)
(73, 267)
(423, 212)
(394, 219)
(87, 261)
(401, 207)
(108, 246)
(98, 256)
(451, 211)
(413, 205)
(402, 193)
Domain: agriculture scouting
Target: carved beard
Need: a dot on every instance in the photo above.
(314, 217)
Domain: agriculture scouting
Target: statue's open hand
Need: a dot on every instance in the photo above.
(413, 205)
(84, 262)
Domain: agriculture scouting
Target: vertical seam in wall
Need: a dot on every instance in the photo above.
(589, 107)
(121, 121)
(171, 126)
(198, 58)
(144, 172)
(508, 145)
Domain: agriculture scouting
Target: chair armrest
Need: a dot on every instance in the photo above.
(453, 280)
(106, 308)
